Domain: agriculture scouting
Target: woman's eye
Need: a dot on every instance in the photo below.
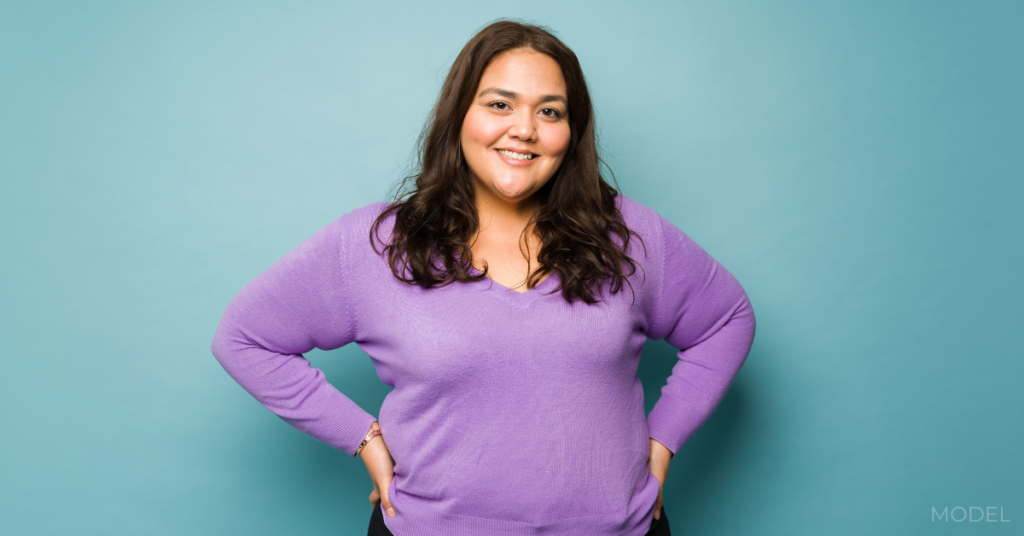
(550, 112)
(499, 105)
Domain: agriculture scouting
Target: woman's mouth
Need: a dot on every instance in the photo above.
(516, 156)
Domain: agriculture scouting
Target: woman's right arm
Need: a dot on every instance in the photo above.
(299, 303)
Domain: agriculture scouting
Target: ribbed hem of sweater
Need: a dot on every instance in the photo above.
(418, 517)
(433, 525)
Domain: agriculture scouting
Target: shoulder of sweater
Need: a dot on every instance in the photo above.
(641, 219)
(354, 226)
(364, 215)
(635, 213)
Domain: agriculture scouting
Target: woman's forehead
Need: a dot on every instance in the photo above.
(522, 72)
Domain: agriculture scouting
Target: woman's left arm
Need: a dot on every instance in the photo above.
(700, 308)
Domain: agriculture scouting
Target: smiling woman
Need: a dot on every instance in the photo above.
(498, 311)
(514, 138)
(514, 88)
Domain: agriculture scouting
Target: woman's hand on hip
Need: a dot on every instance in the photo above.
(657, 463)
(381, 467)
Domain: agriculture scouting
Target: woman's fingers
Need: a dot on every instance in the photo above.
(657, 503)
(658, 463)
(385, 501)
(374, 496)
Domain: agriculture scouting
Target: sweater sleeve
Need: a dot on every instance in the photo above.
(703, 311)
(299, 303)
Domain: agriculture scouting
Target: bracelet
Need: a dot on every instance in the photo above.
(373, 433)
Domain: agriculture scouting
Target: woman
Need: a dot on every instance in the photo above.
(507, 304)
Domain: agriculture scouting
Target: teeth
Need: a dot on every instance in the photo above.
(516, 156)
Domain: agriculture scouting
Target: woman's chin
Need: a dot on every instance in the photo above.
(517, 190)
(509, 195)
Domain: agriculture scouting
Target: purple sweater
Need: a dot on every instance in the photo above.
(511, 414)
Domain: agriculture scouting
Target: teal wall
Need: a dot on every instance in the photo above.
(857, 165)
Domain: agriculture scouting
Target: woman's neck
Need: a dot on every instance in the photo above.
(500, 214)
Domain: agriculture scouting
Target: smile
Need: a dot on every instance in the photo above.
(516, 156)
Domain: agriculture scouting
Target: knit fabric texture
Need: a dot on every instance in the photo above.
(512, 413)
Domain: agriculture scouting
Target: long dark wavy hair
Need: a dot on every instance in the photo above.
(577, 216)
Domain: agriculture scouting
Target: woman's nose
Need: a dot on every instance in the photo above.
(523, 127)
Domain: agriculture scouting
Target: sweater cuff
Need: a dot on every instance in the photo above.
(340, 423)
(673, 428)
(352, 429)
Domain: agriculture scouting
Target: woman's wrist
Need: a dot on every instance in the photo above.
(659, 450)
(373, 433)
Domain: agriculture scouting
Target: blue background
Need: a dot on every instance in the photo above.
(857, 165)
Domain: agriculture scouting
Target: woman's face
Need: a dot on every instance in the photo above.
(516, 131)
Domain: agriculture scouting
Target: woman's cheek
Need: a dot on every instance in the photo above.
(559, 137)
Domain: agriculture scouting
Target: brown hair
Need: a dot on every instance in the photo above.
(578, 212)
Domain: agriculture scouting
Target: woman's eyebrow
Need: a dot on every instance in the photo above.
(513, 95)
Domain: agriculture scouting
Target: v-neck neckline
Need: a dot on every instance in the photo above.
(521, 299)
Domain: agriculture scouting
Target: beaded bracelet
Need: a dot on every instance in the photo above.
(373, 433)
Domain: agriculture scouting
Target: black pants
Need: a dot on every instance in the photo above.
(659, 527)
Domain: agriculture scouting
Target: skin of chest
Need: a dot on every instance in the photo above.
(507, 264)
